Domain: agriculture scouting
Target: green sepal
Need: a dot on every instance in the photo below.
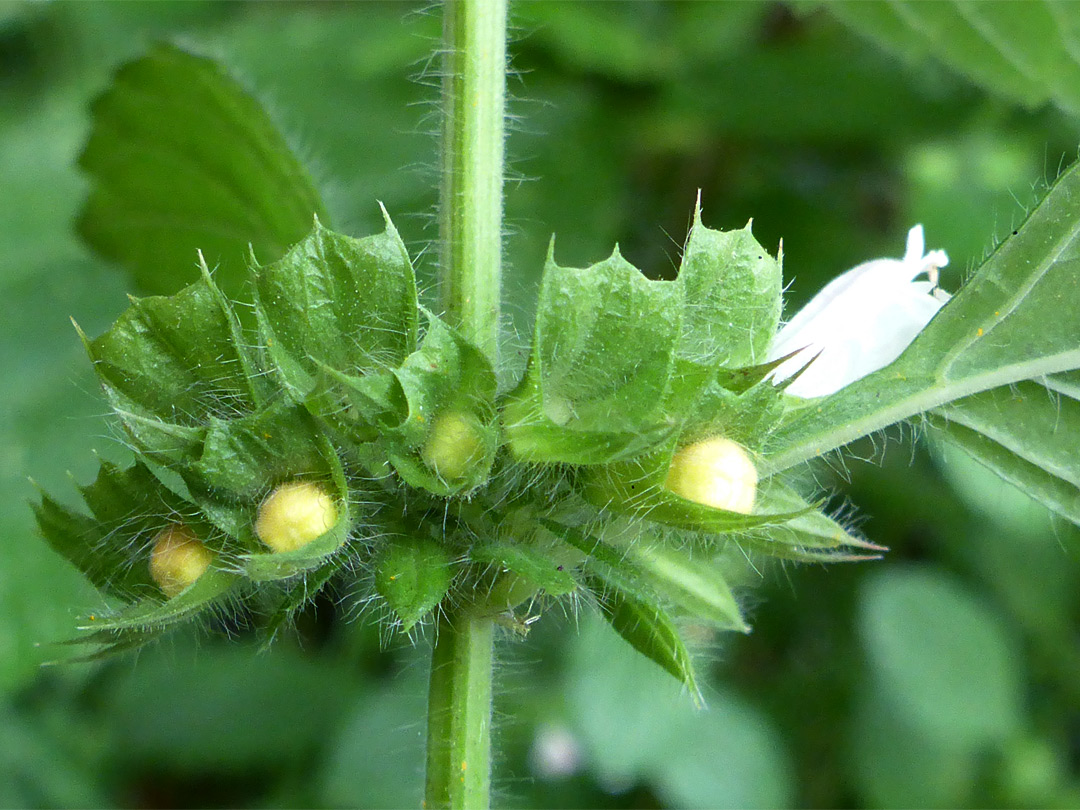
(413, 575)
(648, 629)
(182, 157)
(732, 289)
(602, 359)
(691, 582)
(265, 566)
(542, 571)
(209, 589)
(332, 300)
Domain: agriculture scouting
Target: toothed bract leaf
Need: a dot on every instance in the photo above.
(242, 458)
(183, 158)
(412, 575)
(732, 289)
(602, 359)
(170, 362)
(349, 304)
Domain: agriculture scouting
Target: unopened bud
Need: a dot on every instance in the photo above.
(177, 559)
(294, 514)
(453, 446)
(715, 472)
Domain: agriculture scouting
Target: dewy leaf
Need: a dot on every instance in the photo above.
(602, 358)
(349, 304)
(183, 158)
(1027, 435)
(732, 290)
(1017, 318)
(1028, 52)
(413, 575)
(649, 630)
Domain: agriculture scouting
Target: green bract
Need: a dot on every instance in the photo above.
(449, 496)
(334, 387)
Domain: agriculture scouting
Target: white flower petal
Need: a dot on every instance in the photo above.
(860, 321)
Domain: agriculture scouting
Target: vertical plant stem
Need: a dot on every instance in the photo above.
(470, 233)
(470, 204)
(459, 715)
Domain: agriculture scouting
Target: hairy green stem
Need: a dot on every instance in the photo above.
(470, 237)
(459, 715)
(470, 204)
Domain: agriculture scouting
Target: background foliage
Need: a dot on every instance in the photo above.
(944, 676)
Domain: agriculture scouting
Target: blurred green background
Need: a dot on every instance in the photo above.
(946, 675)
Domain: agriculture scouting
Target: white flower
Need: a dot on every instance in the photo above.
(861, 321)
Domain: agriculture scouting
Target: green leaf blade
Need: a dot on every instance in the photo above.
(341, 302)
(184, 158)
(1017, 318)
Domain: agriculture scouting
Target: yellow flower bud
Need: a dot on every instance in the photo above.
(453, 445)
(715, 472)
(177, 559)
(294, 514)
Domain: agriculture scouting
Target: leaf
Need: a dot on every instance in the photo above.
(619, 360)
(810, 536)
(647, 628)
(448, 438)
(168, 363)
(183, 158)
(295, 596)
(602, 357)
(637, 488)
(349, 304)
(242, 458)
(1017, 318)
(1026, 52)
(151, 614)
(732, 292)
(1027, 435)
(413, 575)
